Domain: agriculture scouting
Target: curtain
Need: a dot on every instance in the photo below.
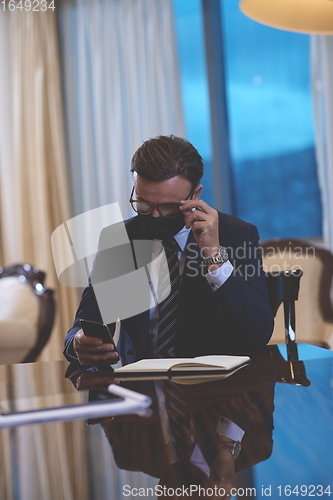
(6, 147)
(322, 87)
(121, 86)
(33, 179)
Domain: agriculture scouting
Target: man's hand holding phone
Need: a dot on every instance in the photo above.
(94, 345)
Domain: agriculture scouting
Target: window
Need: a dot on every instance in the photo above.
(271, 127)
(275, 183)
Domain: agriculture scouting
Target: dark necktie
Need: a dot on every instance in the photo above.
(168, 307)
(179, 420)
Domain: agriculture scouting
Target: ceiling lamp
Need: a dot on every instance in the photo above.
(303, 16)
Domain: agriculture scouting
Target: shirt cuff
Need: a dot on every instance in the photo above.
(218, 277)
(69, 351)
(227, 428)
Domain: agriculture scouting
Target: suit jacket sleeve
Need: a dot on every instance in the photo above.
(88, 307)
(243, 298)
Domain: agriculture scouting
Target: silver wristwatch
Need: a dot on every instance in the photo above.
(221, 257)
(234, 447)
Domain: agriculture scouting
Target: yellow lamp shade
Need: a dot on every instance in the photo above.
(303, 16)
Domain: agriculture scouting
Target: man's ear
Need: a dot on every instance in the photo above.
(197, 191)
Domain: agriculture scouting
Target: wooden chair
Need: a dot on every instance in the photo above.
(27, 311)
(314, 311)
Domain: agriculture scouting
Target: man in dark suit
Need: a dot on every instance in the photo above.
(218, 295)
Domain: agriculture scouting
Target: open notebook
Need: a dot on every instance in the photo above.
(218, 365)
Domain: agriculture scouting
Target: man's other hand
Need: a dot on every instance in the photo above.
(92, 351)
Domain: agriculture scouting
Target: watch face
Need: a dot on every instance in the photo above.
(234, 448)
(237, 449)
(224, 254)
(220, 257)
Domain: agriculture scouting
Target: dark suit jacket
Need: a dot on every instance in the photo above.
(234, 319)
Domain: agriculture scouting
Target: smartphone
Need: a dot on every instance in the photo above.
(99, 330)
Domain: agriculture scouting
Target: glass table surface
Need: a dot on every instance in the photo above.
(283, 407)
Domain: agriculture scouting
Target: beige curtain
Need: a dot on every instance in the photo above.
(121, 87)
(33, 184)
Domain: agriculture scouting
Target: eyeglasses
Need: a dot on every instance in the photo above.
(169, 210)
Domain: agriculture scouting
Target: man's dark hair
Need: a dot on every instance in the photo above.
(164, 157)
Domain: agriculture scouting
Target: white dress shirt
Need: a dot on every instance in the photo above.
(216, 278)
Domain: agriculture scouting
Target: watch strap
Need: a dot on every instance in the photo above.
(219, 258)
(234, 447)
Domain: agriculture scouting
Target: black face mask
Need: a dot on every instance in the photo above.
(162, 228)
